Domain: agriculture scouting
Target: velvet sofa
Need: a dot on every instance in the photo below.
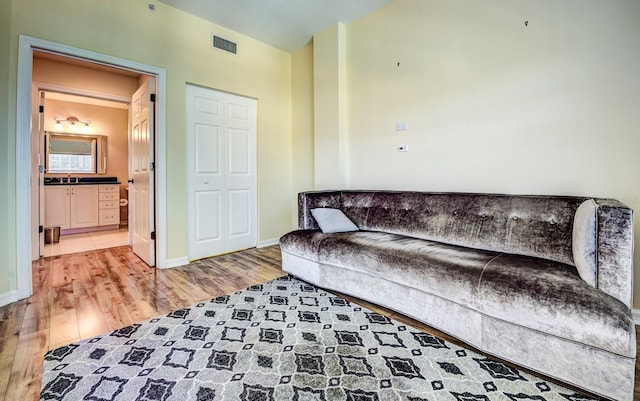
(544, 282)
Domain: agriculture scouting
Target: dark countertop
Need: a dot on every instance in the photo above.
(81, 181)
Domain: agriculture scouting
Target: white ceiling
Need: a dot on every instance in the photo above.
(285, 24)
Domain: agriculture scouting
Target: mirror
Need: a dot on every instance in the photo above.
(75, 153)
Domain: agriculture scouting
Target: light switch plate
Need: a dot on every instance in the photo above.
(402, 126)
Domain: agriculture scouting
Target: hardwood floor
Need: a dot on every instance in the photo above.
(78, 296)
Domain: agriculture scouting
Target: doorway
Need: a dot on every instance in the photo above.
(24, 170)
(96, 143)
(92, 152)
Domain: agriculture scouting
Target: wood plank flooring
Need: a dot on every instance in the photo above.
(82, 295)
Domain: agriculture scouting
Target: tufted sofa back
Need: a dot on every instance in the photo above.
(539, 226)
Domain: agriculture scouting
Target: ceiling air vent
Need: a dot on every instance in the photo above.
(224, 44)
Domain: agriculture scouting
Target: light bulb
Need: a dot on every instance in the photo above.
(57, 126)
(72, 127)
(86, 128)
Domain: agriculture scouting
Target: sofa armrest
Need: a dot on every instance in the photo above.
(311, 200)
(615, 249)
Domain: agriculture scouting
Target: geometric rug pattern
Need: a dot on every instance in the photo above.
(281, 340)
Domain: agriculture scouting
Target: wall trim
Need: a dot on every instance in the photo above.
(8, 297)
(268, 242)
(23, 148)
(636, 316)
(175, 262)
(47, 87)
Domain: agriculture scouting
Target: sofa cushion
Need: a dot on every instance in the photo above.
(551, 298)
(303, 243)
(447, 271)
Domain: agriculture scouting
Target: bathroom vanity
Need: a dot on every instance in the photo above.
(81, 206)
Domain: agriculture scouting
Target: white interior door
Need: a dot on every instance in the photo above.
(141, 190)
(38, 170)
(40, 173)
(36, 181)
(221, 172)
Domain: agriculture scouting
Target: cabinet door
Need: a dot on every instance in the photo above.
(56, 206)
(84, 206)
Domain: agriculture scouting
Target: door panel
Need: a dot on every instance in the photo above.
(239, 213)
(239, 153)
(221, 157)
(207, 142)
(141, 191)
(208, 226)
(206, 171)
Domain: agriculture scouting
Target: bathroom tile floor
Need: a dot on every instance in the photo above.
(90, 241)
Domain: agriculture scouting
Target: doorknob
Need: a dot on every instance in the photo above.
(130, 181)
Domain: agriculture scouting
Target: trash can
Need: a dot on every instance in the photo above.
(52, 235)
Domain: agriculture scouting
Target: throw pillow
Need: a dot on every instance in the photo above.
(332, 220)
(584, 241)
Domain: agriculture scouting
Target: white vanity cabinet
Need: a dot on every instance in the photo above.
(81, 206)
(108, 206)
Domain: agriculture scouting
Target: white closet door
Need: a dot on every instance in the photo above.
(221, 172)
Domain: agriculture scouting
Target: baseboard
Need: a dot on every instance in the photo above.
(636, 316)
(8, 297)
(266, 243)
(176, 262)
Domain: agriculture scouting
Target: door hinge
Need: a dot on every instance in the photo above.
(152, 97)
(152, 166)
(153, 235)
(40, 229)
(41, 109)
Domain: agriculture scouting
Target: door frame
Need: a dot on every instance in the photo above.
(26, 47)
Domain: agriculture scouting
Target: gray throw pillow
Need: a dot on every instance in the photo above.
(584, 242)
(332, 220)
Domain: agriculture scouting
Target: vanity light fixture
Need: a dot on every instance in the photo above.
(73, 124)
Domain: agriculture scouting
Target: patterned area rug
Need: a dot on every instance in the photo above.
(282, 340)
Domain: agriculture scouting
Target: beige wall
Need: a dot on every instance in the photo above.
(178, 42)
(302, 125)
(330, 107)
(494, 105)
